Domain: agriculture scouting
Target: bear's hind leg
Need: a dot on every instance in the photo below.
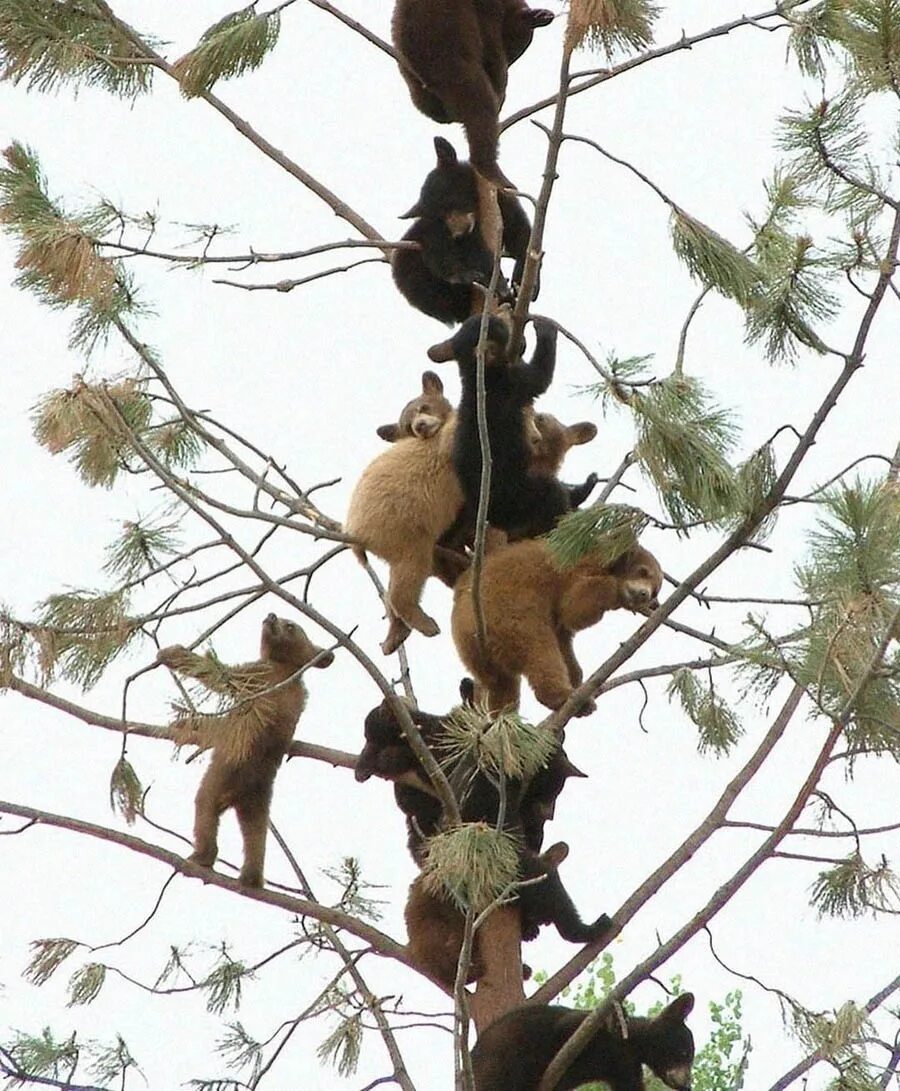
(472, 100)
(405, 586)
(547, 671)
(208, 806)
(253, 818)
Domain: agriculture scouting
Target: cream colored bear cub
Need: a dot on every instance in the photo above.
(405, 500)
(532, 609)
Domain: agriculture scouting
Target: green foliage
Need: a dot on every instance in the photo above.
(85, 984)
(815, 34)
(610, 25)
(141, 548)
(503, 745)
(683, 444)
(241, 1050)
(719, 727)
(353, 898)
(174, 442)
(126, 793)
(473, 864)
(42, 1055)
(110, 1063)
(714, 261)
(605, 531)
(872, 40)
(853, 572)
(224, 984)
(837, 1038)
(47, 955)
(342, 1047)
(93, 421)
(48, 44)
(852, 889)
(755, 478)
(234, 45)
(85, 631)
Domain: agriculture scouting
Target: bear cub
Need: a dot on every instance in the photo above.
(513, 1053)
(454, 56)
(437, 279)
(250, 741)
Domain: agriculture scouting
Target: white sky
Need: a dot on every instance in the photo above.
(308, 375)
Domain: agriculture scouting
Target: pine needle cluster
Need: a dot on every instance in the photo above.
(853, 571)
(871, 38)
(85, 984)
(501, 746)
(236, 44)
(224, 984)
(48, 44)
(815, 34)
(473, 864)
(852, 889)
(836, 1038)
(343, 1046)
(46, 958)
(126, 793)
(610, 25)
(713, 260)
(718, 725)
(141, 547)
(83, 631)
(604, 531)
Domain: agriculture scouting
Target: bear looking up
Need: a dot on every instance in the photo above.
(454, 56)
(435, 926)
(248, 742)
(404, 501)
(533, 607)
(513, 1053)
(454, 254)
(520, 500)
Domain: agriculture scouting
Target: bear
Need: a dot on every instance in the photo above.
(404, 501)
(513, 1053)
(435, 926)
(454, 254)
(520, 500)
(533, 607)
(249, 741)
(454, 56)
(387, 754)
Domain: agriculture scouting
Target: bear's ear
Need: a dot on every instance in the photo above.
(446, 153)
(431, 383)
(442, 352)
(390, 433)
(413, 213)
(570, 769)
(583, 432)
(555, 855)
(680, 1008)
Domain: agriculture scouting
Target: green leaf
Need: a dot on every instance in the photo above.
(605, 531)
(713, 260)
(88, 629)
(234, 45)
(141, 548)
(719, 726)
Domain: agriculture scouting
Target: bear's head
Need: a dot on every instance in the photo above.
(669, 1045)
(422, 417)
(284, 641)
(640, 578)
(553, 440)
(463, 344)
(449, 192)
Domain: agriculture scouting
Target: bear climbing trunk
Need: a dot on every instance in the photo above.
(499, 989)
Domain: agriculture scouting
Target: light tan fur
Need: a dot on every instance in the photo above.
(250, 740)
(553, 440)
(532, 608)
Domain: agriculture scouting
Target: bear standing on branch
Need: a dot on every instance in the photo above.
(513, 1053)
(454, 56)
(250, 740)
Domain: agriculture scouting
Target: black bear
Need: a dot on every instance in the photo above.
(438, 278)
(513, 1053)
(520, 500)
(435, 926)
(454, 56)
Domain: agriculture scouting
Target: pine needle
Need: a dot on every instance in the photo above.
(343, 1046)
(610, 25)
(141, 548)
(89, 629)
(224, 985)
(234, 45)
(815, 35)
(47, 955)
(718, 725)
(605, 531)
(503, 745)
(872, 40)
(853, 889)
(472, 865)
(126, 793)
(713, 260)
(85, 984)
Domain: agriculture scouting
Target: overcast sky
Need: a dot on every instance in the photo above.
(308, 375)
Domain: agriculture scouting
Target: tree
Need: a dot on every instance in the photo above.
(788, 687)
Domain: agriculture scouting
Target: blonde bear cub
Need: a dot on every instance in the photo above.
(532, 609)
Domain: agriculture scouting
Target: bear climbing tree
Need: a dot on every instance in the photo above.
(204, 338)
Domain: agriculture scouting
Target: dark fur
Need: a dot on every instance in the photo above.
(437, 279)
(513, 1053)
(454, 56)
(520, 500)
(249, 743)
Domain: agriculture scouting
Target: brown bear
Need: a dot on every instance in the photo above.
(435, 926)
(250, 740)
(454, 56)
(403, 502)
(513, 1053)
(533, 607)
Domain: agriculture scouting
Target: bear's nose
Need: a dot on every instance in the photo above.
(270, 618)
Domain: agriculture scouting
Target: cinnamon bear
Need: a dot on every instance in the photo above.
(513, 1053)
(520, 500)
(454, 56)
(435, 926)
(250, 740)
(533, 607)
(454, 254)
